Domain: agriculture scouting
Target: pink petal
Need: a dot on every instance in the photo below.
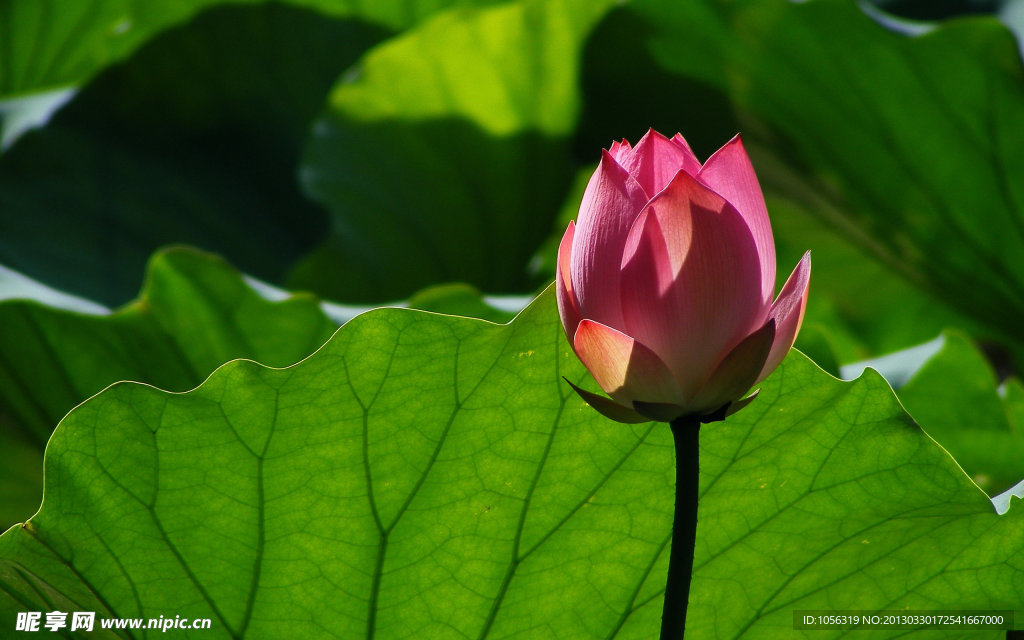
(611, 203)
(656, 159)
(739, 404)
(626, 369)
(788, 313)
(691, 287)
(659, 411)
(691, 164)
(609, 408)
(730, 174)
(568, 311)
(735, 375)
(620, 150)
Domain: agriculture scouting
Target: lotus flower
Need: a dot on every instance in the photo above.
(665, 282)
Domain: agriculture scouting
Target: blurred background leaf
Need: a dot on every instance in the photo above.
(50, 44)
(504, 130)
(195, 139)
(856, 131)
(53, 44)
(195, 314)
(447, 156)
(915, 138)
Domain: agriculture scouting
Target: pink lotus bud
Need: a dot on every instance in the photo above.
(665, 282)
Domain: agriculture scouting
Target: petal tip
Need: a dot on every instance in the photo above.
(608, 407)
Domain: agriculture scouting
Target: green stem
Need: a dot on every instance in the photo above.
(686, 433)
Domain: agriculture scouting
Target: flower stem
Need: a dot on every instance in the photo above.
(685, 432)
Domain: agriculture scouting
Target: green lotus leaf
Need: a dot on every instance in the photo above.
(428, 476)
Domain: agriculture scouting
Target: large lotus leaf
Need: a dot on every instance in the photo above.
(54, 44)
(433, 477)
(911, 142)
(195, 139)
(949, 385)
(955, 395)
(446, 157)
